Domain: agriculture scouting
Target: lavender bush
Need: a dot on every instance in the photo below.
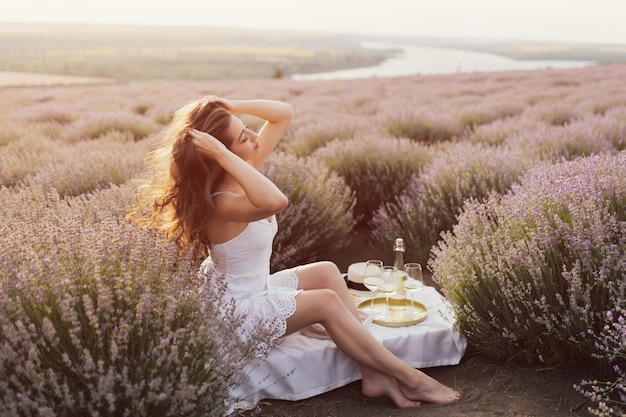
(554, 114)
(100, 317)
(319, 133)
(531, 273)
(425, 127)
(613, 126)
(497, 132)
(72, 169)
(22, 157)
(86, 167)
(46, 112)
(609, 396)
(96, 125)
(64, 149)
(319, 215)
(473, 115)
(582, 137)
(377, 168)
(9, 133)
(433, 199)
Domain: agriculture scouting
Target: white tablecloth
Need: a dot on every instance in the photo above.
(301, 367)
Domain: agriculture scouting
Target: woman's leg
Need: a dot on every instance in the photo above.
(326, 275)
(385, 373)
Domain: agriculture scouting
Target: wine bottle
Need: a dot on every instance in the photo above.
(398, 253)
(398, 262)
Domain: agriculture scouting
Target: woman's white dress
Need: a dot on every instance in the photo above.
(261, 298)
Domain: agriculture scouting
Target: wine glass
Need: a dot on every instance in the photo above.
(389, 286)
(414, 280)
(372, 277)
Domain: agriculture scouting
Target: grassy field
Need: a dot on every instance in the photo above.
(23, 79)
(124, 53)
(127, 53)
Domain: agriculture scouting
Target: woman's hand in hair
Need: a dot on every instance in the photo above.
(230, 105)
(207, 145)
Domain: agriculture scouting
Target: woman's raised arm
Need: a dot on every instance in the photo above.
(262, 197)
(277, 115)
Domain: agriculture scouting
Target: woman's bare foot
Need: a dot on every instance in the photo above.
(430, 390)
(376, 385)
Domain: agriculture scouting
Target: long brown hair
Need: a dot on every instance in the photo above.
(175, 197)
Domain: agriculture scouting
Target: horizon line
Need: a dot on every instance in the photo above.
(180, 26)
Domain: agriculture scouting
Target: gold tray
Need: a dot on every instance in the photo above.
(399, 311)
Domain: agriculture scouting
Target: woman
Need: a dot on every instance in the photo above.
(211, 195)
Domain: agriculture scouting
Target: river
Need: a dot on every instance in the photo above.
(429, 60)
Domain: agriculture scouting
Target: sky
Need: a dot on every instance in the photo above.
(589, 21)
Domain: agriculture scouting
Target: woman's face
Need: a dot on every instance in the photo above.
(245, 142)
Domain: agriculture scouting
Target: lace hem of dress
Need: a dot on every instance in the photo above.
(285, 282)
(284, 279)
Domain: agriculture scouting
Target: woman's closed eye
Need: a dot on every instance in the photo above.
(243, 136)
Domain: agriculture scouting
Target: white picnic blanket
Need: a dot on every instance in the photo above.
(301, 367)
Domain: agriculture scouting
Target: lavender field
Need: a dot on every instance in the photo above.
(511, 187)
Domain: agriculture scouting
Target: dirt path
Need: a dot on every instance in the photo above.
(488, 390)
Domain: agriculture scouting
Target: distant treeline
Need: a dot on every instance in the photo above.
(126, 53)
(562, 51)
